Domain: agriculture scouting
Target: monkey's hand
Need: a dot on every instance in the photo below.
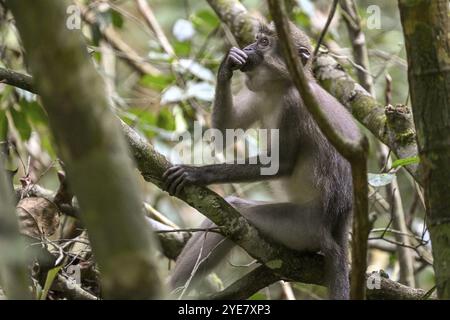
(235, 59)
(177, 176)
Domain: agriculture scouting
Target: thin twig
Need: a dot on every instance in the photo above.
(327, 24)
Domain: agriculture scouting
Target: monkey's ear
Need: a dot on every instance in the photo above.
(304, 54)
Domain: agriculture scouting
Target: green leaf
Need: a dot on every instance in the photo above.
(158, 82)
(205, 20)
(51, 275)
(36, 114)
(116, 19)
(182, 49)
(258, 296)
(274, 264)
(405, 162)
(380, 179)
(21, 123)
(142, 120)
(3, 125)
(166, 119)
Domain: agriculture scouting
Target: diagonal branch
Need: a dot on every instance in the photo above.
(112, 37)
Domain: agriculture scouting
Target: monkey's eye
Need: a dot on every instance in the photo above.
(264, 42)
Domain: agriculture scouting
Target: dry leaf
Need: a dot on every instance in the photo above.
(37, 217)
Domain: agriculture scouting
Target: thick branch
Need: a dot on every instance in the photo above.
(248, 285)
(255, 280)
(281, 260)
(426, 26)
(13, 268)
(392, 126)
(235, 16)
(93, 150)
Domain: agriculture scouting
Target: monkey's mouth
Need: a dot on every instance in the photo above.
(248, 66)
(252, 62)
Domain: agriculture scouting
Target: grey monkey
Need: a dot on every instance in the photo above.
(313, 175)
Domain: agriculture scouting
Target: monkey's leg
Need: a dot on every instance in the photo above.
(296, 226)
(201, 254)
(336, 260)
(301, 227)
(208, 248)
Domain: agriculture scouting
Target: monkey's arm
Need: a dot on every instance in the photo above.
(232, 112)
(339, 117)
(176, 177)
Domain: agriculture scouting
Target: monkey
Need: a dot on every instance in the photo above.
(314, 176)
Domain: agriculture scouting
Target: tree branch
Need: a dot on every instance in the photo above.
(392, 126)
(358, 41)
(112, 37)
(94, 151)
(236, 17)
(426, 30)
(16, 79)
(13, 267)
(151, 21)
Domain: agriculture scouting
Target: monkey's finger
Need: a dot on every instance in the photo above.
(236, 59)
(170, 170)
(239, 52)
(176, 183)
(171, 178)
(235, 55)
(180, 187)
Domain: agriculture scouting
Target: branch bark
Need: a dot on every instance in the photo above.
(425, 27)
(89, 142)
(151, 21)
(361, 56)
(13, 268)
(16, 79)
(392, 126)
(353, 23)
(235, 16)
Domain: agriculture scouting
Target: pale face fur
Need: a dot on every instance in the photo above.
(271, 73)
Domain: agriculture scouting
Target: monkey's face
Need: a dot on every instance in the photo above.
(265, 65)
(257, 69)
